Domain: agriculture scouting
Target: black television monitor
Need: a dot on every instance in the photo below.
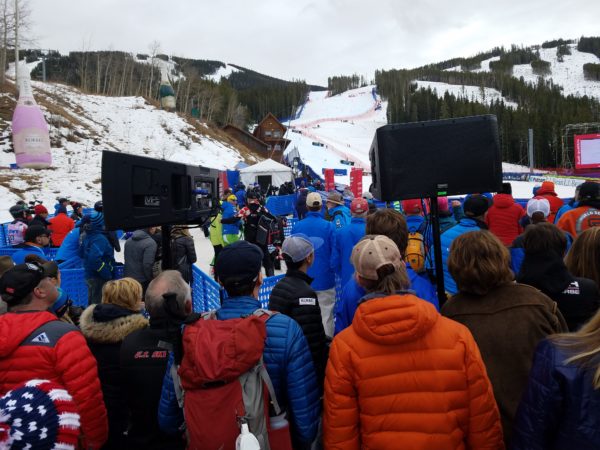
(436, 158)
(140, 192)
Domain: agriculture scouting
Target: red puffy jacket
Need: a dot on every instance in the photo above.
(503, 218)
(60, 226)
(56, 356)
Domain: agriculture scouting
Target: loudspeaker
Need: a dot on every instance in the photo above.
(140, 192)
(436, 158)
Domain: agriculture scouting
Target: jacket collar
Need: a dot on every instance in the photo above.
(237, 303)
(299, 274)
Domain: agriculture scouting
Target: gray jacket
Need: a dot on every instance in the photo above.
(140, 252)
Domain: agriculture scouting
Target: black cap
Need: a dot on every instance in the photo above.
(98, 206)
(589, 190)
(35, 231)
(238, 263)
(18, 282)
(17, 211)
(476, 205)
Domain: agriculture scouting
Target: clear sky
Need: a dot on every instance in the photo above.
(309, 40)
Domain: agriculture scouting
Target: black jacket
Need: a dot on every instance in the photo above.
(578, 299)
(294, 297)
(143, 365)
(39, 220)
(184, 256)
(105, 327)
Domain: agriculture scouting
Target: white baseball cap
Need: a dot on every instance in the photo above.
(538, 204)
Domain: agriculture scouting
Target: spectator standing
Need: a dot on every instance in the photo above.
(547, 191)
(183, 252)
(301, 208)
(386, 381)
(35, 345)
(60, 226)
(140, 254)
(561, 404)
(337, 212)
(105, 326)
(538, 210)
(507, 319)
(294, 297)
(503, 217)
(389, 223)
(543, 267)
(216, 237)
(587, 214)
(77, 214)
(16, 229)
(345, 238)
(98, 257)
(286, 354)
(573, 203)
(143, 362)
(313, 225)
(41, 216)
(36, 238)
(6, 262)
(474, 208)
(583, 259)
(413, 212)
(240, 193)
(252, 215)
(446, 218)
(230, 221)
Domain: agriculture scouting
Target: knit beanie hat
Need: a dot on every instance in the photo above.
(38, 415)
(97, 220)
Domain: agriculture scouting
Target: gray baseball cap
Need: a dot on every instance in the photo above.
(298, 246)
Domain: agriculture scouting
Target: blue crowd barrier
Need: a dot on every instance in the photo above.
(206, 292)
(265, 290)
(49, 251)
(4, 236)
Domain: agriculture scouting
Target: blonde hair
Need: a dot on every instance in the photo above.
(126, 293)
(583, 259)
(583, 346)
(479, 262)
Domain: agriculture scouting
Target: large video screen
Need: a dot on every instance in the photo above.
(587, 151)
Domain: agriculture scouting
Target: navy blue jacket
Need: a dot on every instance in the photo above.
(315, 226)
(560, 409)
(289, 364)
(98, 255)
(353, 292)
(344, 241)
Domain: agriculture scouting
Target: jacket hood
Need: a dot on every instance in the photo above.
(15, 327)
(547, 188)
(545, 271)
(394, 319)
(138, 235)
(503, 200)
(110, 326)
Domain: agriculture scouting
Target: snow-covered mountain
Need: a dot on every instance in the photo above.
(567, 74)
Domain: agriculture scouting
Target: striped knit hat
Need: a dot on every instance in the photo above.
(38, 415)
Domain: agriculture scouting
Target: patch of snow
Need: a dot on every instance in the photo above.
(222, 72)
(473, 93)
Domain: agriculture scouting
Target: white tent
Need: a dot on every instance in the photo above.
(265, 173)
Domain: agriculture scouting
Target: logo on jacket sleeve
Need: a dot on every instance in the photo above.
(41, 338)
(307, 301)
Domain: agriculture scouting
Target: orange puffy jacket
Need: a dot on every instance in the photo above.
(402, 376)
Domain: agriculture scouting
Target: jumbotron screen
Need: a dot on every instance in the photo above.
(587, 151)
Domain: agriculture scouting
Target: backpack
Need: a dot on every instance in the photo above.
(415, 252)
(226, 383)
(268, 230)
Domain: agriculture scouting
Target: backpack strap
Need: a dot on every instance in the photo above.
(209, 315)
(264, 315)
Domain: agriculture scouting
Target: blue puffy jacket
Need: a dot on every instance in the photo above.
(315, 226)
(565, 208)
(353, 292)
(97, 255)
(69, 249)
(241, 197)
(289, 364)
(228, 212)
(340, 216)
(560, 409)
(344, 240)
(465, 225)
(415, 224)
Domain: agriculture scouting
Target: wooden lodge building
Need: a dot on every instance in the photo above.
(267, 137)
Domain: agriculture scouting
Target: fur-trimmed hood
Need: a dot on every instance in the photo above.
(110, 331)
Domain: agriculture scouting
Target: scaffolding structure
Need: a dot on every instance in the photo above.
(568, 141)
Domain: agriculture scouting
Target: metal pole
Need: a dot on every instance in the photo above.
(17, 44)
(530, 148)
(437, 251)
